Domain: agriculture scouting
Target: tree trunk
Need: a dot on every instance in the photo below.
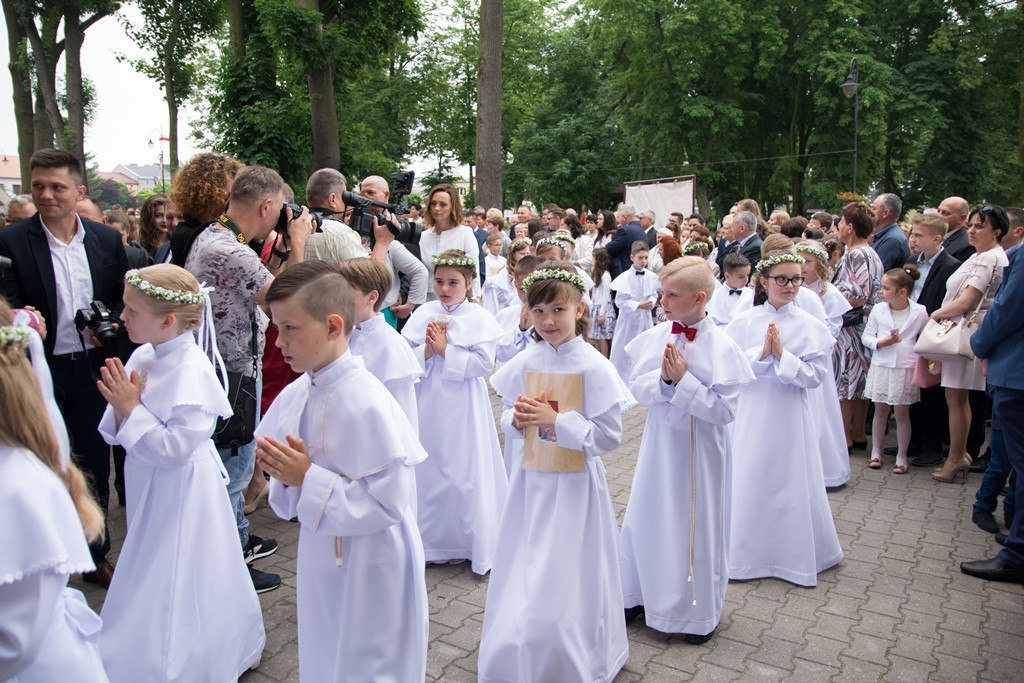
(74, 140)
(22, 92)
(1020, 114)
(236, 28)
(46, 69)
(488, 109)
(170, 93)
(323, 111)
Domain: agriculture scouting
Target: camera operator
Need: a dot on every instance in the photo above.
(68, 268)
(219, 254)
(395, 256)
(337, 242)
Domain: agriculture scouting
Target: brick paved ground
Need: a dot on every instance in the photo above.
(897, 608)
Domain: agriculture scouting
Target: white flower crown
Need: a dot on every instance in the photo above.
(522, 242)
(14, 335)
(173, 295)
(465, 261)
(565, 238)
(813, 251)
(694, 246)
(768, 263)
(555, 274)
(553, 241)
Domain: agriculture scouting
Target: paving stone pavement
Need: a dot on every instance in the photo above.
(896, 609)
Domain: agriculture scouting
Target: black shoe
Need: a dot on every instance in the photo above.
(1001, 538)
(980, 464)
(697, 640)
(259, 547)
(264, 582)
(891, 450)
(632, 613)
(859, 445)
(986, 522)
(928, 459)
(993, 570)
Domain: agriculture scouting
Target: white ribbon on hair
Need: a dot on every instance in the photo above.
(38, 359)
(206, 336)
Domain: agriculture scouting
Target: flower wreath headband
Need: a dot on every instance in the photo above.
(768, 263)
(173, 295)
(14, 335)
(554, 241)
(555, 274)
(695, 246)
(458, 261)
(817, 253)
(561, 236)
(523, 242)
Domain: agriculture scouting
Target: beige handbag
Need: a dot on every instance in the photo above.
(951, 339)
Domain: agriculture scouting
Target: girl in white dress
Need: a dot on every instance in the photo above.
(816, 278)
(781, 524)
(554, 603)
(461, 487)
(47, 632)
(181, 606)
(890, 334)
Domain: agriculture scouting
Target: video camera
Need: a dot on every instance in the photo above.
(362, 214)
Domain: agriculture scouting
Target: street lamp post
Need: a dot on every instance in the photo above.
(851, 89)
(162, 138)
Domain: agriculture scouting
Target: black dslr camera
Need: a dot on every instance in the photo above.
(282, 220)
(97, 319)
(362, 217)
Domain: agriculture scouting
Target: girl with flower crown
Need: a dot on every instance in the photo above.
(202, 619)
(48, 632)
(781, 524)
(554, 602)
(461, 486)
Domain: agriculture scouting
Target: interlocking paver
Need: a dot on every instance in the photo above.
(896, 609)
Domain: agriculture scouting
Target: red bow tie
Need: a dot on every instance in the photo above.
(688, 332)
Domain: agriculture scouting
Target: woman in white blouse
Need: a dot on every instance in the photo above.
(444, 230)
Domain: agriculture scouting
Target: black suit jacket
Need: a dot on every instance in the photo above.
(621, 245)
(30, 282)
(958, 246)
(752, 250)
(933, 291)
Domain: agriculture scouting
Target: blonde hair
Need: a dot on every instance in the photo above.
(777, 242)
(694, 271)
(23, 424)
(367, 275)
(175, 278)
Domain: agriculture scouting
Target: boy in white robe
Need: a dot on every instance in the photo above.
(636, 293)
(340, 452)
(734, 292)
(690, 373)
(383, 351)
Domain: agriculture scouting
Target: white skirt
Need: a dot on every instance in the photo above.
(891, 385)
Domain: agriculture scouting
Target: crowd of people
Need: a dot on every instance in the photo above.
(242, 347)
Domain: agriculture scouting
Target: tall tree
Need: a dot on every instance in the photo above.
(488, 109)
(174, 31)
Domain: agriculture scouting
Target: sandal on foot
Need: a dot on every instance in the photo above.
(899, 469)
(875, 464)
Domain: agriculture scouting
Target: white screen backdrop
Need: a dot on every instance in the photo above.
(662, 196)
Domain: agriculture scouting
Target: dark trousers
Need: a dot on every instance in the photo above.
(980, 406)
(929, 419)
(82, 406)
(1008, 405)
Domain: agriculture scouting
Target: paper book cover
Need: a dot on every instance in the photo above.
(541, 452)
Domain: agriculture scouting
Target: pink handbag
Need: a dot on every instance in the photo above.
(927, 373)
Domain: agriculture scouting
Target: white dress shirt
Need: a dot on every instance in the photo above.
(73, 281)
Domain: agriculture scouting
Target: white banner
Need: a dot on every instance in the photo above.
(662, 196)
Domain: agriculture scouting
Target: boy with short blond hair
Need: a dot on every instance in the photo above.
(689, 371)
(341, 452)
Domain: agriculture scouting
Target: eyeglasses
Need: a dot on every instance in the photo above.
(783, 281)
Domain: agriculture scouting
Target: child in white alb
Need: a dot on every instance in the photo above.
(890, 333)
(461, 487)
(515, 320)
(381, 348)
(202, 619)
(341, 453)
(690, 373)
(734, 295)
(781, 524)
(554, 602)
(636, 293)
(497, 289)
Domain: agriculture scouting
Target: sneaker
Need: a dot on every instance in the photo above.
(264, 582)
(259, 547)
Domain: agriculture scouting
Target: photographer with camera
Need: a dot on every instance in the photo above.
(220, 255)
(336, 242)
(393, 253)
(72, 272)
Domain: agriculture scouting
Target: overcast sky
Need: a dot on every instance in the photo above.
(131, 108)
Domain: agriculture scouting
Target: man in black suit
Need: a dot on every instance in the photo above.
(60, 265)
(622, 241)
(955, 210)
(744, 232)
(929, 418)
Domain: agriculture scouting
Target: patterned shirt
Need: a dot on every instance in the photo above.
(219, 260)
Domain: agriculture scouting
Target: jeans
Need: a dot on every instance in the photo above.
(994, 479)
(240, 468)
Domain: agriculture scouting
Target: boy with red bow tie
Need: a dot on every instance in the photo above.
(675, 535)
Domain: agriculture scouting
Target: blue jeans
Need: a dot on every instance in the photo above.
(994, 479)
(240, 468)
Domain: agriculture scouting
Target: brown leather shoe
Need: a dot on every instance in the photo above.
(103, 575)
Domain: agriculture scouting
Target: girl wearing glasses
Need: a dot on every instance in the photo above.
(781, 525)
